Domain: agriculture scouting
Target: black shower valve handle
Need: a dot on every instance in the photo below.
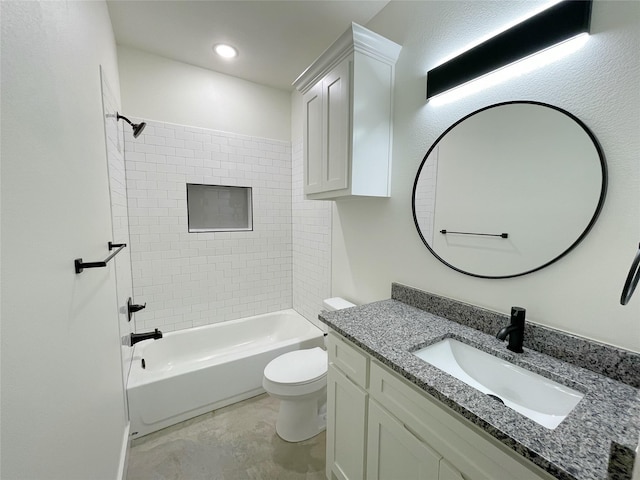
(133, 308)
(137, 308)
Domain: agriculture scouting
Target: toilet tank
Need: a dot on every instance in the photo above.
(336, 303)
(331, 305)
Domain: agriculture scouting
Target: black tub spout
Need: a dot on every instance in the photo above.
(139, 337)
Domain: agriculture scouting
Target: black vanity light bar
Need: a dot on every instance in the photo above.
(556, 24)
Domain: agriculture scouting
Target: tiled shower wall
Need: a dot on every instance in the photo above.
(119, 216)
(311, 245)
(192, 279)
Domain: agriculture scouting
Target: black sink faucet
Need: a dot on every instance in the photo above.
(515, 331)
(138, 337)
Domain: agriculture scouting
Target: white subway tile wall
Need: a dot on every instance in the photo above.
(311, 245)
(193, 279)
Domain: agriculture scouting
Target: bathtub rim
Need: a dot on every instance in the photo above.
(139, 377)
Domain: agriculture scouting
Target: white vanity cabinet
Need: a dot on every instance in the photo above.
(347, 117)
(347, 402)
(392, 430)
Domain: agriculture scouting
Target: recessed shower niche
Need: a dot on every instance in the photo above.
(219, 208)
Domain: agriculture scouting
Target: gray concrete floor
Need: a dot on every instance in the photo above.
(238, 442)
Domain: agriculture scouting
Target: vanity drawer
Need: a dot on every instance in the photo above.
(350, 361)
(448, 433)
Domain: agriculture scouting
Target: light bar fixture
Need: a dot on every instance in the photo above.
(554, 25)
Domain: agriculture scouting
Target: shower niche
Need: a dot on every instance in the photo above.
(219, 208)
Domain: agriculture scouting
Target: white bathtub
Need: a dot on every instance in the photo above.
(191, 372)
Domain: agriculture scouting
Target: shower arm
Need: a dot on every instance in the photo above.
(137, 127)
(118, 117)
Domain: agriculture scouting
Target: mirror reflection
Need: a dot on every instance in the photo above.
(509, 189)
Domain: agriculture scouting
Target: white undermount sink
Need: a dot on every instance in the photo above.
(534, 396)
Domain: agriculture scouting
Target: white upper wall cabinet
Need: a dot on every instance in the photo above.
(348, 110)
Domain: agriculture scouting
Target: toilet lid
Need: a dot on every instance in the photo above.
(301, 366)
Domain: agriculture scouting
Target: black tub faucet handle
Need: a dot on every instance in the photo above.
(133, 308)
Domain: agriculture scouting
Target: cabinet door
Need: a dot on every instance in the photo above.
(337, 100)
(313, 132)
(448, 471)
(393, 452)
(346, 434)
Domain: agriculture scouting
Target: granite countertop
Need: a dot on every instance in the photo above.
(580, 448)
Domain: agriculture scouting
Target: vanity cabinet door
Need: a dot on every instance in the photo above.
(346, 427)
(448, 471)
(312, 139)
(327, 127)
(337, 102)
(393, 452)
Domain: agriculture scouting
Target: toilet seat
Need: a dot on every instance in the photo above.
(300, 367)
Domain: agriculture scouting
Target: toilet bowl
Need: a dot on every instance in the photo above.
(299, 380)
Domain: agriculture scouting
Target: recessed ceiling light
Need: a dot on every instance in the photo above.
(225, 51)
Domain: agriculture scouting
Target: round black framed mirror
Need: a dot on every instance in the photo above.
(631, 282)
(509, 189)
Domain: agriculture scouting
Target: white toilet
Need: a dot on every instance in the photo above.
(299, 380)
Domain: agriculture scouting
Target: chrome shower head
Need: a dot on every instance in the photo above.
(137, 127)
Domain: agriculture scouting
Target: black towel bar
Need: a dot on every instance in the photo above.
(80, 265)
(501, 235)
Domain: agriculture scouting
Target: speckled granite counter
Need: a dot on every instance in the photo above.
(604, 425)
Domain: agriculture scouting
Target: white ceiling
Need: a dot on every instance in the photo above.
(277, 40)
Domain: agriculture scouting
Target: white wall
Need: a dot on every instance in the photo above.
(156, 88)
(375, 241)
(63, 412)
(193, 279)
